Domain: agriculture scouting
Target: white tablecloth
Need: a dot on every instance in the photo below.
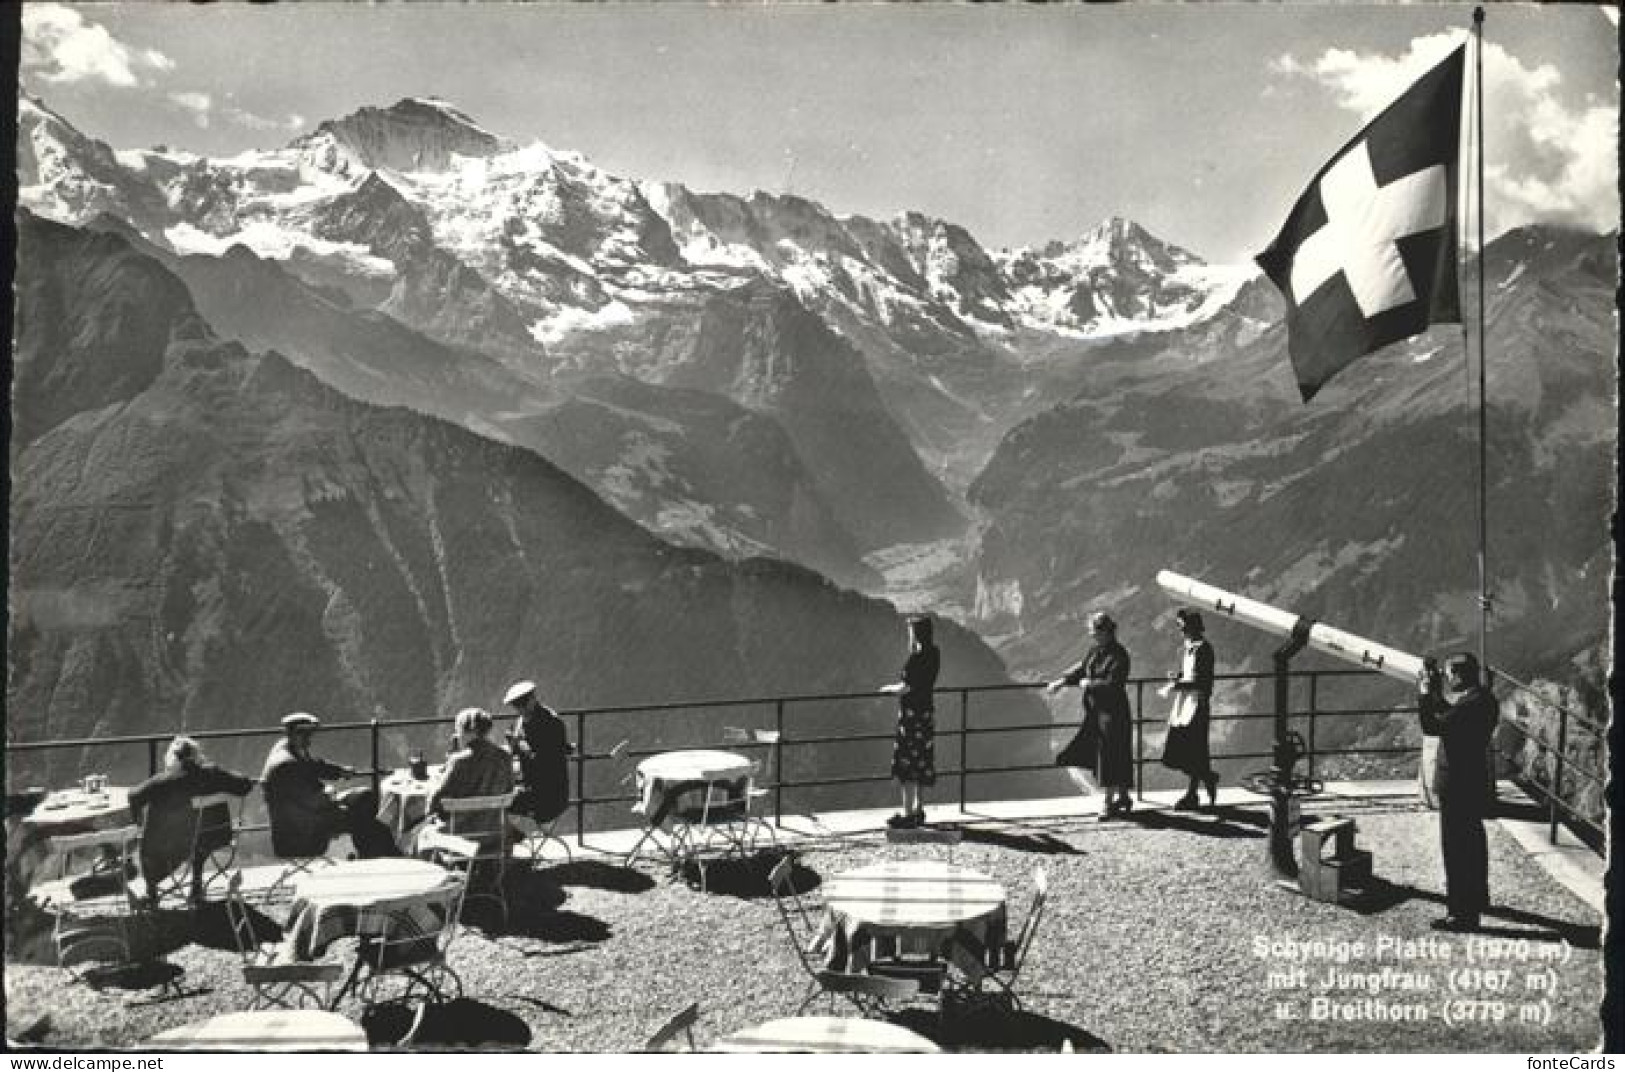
(660, 775)
(66, 811)
(403, 801)
(922, 903)
(267, 1029)
(380, 897)
(826, 1034)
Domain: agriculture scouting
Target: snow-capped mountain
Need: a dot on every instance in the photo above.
(1117, 278)
(913, 357)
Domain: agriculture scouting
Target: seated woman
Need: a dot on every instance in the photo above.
(477, 769)
(163, 806)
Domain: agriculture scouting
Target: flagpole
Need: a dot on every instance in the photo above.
(1483, 378)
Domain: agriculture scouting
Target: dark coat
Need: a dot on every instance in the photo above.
(1461, 778)
(920, 679)
(544, 750)
(1105, 742)
(1186, 748)
(303, 817)
(162, 805)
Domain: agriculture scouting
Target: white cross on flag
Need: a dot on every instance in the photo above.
(1368, 255)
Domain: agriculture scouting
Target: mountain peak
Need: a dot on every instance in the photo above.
(413, 134)
(1116, 240)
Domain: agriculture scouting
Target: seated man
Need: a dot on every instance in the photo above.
(477, 768)
(543, 748)
(305, 817)
(162, 805)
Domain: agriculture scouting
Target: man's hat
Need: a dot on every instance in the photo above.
(519, 692)
(299, 720)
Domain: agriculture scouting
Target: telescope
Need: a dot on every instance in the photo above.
(1401, 665)
(1279, 783)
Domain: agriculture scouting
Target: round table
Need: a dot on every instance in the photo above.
(267, 1029)
(403, 801)
(918, 902)
(825, 1034)
(364, 896)
(73, 811)
(65, 811)
(661, 778)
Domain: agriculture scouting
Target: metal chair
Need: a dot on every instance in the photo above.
(1000, 965)
(206, 826)
(217, 859)
(278, 980)
(482, 822)
(722, 817)
(865, 992)
(681, 1022)
(90, 924)
(413, 945)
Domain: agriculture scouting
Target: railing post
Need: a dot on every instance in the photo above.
(1557, 781)
(1139, 740)
(1314, 703)
(964, 744)
(152, 756)
(372, 731)
(581, 775)
(778, 763)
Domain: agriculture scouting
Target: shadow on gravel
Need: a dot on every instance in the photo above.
(1039, 842)
(998, 1030)
(746, 877)
(598, 875)
(556, 928)
(1216, 824)
(1381, 895)
(210, 927)
(461, 1024)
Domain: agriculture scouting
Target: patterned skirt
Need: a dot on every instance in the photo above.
(912, 757)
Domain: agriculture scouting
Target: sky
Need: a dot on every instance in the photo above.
(1023, 124)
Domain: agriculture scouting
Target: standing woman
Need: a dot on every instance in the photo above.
(1104, 743)
(912, 760)
(1186, 748)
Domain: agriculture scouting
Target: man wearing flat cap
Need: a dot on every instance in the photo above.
(305, 816)
(540, 741)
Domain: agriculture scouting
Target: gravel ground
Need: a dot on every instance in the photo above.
(1161, 935)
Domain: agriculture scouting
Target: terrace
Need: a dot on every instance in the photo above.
(1165, 932)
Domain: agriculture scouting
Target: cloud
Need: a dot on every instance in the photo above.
(61, 48)
(198, 104)
(1547, 160)
(254, 121)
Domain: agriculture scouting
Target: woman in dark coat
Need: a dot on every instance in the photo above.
(1104, 743)
(912, 762)
(1186, 747)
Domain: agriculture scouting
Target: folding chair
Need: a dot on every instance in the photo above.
(1002, 964)
(209, 822)
(90, 924)
(207, 825)
(681, 1022)
(483, 822)
(865, 992)
(723, 816)
(412, 945)
(277, 979)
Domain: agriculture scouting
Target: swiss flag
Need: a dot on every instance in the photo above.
(1368, 255)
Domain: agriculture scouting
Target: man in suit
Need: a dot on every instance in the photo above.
(477, 769)
(305, 816)
(543, 747)
(163, 806)
(1462, 713)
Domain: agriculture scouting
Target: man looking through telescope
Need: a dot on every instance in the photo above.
(1461, 712)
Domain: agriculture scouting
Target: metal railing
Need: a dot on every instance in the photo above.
(1310, 715)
